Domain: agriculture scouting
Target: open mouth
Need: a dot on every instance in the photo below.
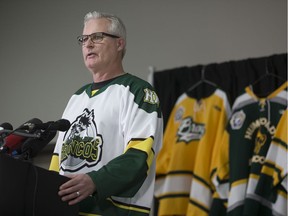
(91, 55)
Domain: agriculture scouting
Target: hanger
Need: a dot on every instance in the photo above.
(267, 74)
(203, 80)
(264, 86)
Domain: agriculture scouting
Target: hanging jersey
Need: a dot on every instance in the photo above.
(190, 122)
(114, 138)
(220, 178)
(249, 132)
(202, 190)
(271, 188)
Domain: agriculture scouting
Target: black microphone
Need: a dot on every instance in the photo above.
(29, 126)
(32, 146)
(60, 125)
(13, 142)
(6, 126)
(5, 129)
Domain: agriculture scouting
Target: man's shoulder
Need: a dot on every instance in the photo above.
(83, 88)
(133, 81)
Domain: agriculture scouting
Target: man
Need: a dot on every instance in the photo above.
(116, 129)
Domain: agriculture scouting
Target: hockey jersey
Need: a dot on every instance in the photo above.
(202, 190)
(114, 137)
(248, 136)
(190, 134)
(271, 187)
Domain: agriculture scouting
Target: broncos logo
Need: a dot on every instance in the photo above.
(80, 127)
(189, 130)
(82, 145)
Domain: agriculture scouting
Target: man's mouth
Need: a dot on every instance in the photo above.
(91, 55)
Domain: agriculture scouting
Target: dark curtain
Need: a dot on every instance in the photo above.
(231, 76)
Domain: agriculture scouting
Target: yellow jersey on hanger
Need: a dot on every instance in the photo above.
(184, 163)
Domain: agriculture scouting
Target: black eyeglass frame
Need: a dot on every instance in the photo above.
(83, 38)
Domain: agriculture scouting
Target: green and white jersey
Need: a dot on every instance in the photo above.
(115, 135)
(249, 134)
(272, 183)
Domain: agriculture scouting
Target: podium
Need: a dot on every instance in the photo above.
(28, 190)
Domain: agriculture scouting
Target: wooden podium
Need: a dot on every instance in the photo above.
(28, 190)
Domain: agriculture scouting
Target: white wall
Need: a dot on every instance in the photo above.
(41, 62)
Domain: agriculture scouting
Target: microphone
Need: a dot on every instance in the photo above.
(29, 125)
(32, 146)
(14, 142)
(6, 126)
(60, 125)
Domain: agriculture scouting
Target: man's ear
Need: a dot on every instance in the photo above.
(120, 44)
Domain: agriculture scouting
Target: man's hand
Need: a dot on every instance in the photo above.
(77, 188)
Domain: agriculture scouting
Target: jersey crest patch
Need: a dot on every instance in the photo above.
(179, 114)
(82, 145)
(151, 97)
(237, 120)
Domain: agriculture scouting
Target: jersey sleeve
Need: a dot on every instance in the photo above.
(54, 163)
(124, 175)
(142, 127)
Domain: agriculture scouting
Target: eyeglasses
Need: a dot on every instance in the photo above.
(94, 37)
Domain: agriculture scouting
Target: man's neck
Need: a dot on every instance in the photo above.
(109, 73)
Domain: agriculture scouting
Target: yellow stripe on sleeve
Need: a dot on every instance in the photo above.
(54, 164)
(143, 145)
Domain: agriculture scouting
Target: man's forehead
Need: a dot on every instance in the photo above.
(95, 25)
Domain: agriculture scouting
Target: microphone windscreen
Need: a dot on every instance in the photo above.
(6, 126)
(13, 142)
(63, 124)
(29, 125)
(33, 146)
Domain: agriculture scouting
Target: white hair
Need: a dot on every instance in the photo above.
(116, 27)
